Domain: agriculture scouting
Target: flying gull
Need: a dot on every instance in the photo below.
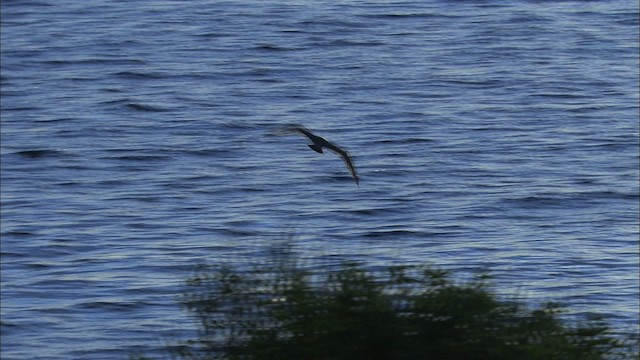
(319, 143)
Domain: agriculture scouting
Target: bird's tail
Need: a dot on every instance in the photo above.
(316, 148)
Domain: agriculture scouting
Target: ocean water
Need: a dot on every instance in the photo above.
(140, 140)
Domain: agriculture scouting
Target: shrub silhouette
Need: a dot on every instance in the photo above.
(281, 311)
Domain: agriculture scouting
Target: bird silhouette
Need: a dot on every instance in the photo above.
(319, 143)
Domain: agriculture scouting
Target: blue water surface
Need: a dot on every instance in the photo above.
(140, 140)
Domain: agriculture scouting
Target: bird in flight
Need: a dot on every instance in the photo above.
(319, 143)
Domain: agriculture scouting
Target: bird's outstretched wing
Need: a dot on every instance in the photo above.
(302, 130)
(347, 160)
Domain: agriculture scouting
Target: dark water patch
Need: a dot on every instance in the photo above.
(408, 15)
(93, 61)
(562, 95)
(608, 145)
(329, 25)
(20, 108)
(273, 48)
(370, 102)
(132, 149)
(113, 90)
(113, 182)
(252, 189)
(536, 201)
(539, 20)
(497, 128)
(132, 75)
(607, 195)
(6, 325)
(71, 183)
(206, 152)
(111, 306)
(390, 234)
(147, 158)
(271, 80)
(212, 35)
(139, 225)
(62, 284)
(28, 4)
(237, 232)
(370, 212)
(57, 120)
(73, 166)
(629, 21)
(9, 254)
(145, 107)
(18, 233)
(350, 43)
(39, 265)
(410, 140)
(142, 199)
(477, 83)
(565, 201)
(5, 80)
(589, 108)
(39, 154)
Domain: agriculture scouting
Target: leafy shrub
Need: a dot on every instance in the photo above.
(281, 311)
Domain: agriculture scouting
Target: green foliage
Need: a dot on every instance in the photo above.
(283, 312)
